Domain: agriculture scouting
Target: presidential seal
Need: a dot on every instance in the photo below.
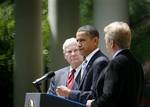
(30, 103)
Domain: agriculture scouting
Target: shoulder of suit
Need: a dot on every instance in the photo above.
(101, 55)
(101, 59)
(120, 59)
(62, 70)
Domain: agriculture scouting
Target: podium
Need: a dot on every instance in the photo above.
(48, 100)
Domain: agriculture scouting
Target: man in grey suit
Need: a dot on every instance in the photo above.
(74, 58)
(121, 84)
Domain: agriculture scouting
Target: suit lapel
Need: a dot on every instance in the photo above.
(97, 54)
(77, 81)
(65, 76)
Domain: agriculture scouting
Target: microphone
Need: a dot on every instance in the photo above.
(44, 77)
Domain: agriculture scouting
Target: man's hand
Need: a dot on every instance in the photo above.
(63, 91)
(88, 103)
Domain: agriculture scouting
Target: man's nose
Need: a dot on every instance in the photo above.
(79, 44)
(73, 52)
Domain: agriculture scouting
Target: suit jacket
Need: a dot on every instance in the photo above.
(60, 78)
(121, 85)
(90, 75)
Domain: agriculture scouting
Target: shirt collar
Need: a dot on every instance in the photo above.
(91, 54)
(77, 70)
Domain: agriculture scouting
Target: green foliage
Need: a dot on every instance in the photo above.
(6, 34)
(7, 24)
(6, 28)
(45, 26)
(141, 43)
(86, 12)
(139, 13)
(45, 33)
(138, 10)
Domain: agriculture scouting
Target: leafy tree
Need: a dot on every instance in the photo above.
(6, 52)
(46, 37)
(139, 13)
(86, 12)
(45, 33)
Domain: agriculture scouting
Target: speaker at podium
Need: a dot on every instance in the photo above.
(48, 100)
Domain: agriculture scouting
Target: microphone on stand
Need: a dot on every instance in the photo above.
(38, 81)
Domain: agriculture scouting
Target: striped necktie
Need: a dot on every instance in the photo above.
(70, 79)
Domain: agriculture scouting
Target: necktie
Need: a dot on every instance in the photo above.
(70, 80)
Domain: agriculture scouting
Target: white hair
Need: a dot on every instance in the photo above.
(120, 33)
(69, 42)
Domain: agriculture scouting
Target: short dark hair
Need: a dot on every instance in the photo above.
(91, 30)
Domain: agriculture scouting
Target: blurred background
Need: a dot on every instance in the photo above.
(32, 33)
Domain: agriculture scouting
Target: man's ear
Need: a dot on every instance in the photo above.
(96, 40)
(112, 44)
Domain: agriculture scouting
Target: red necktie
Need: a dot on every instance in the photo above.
(70, 80)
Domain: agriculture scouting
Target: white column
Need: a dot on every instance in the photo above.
(63, 19)
(28, 48)
(106, 11)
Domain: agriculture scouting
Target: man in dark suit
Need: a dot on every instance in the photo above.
(121, 84)
(88, 39)
(74, 58)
